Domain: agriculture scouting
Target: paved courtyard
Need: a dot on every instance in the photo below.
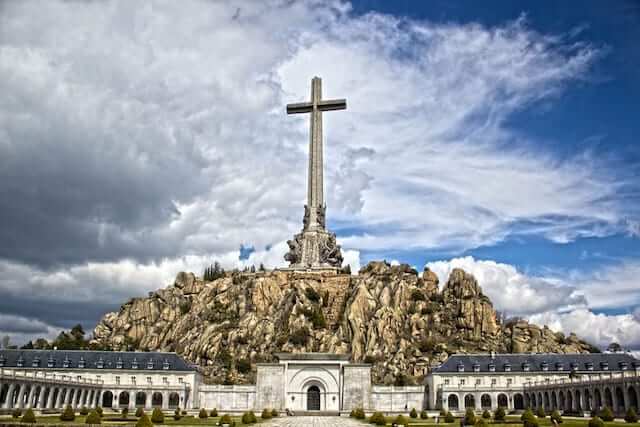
(312, 422)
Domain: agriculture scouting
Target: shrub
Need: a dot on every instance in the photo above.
(605, 414)
(177, 414)
(84, 411)
(529, 420)
(93, 418)
(540, 412)
(378, 419)
(68, 414)
(226, 419)
(203, 413)
(555, 415)
(499, 414)
(275, 413)
(486, 414)
(214, 412)
(318, 320)
(16, 413)
(300, 336)
(631, 416)
(157, 416)
(139, 411)
(527, 414)
(448, 418)
(144, 421)
(29, 417)
(243, 366)
(401, 421)
(596, 422)
(469, 417)
(482, 422)
(266, 414)
(249, 418)
(424, 415)
(125, 412)
(99, 410)
(358, 413)
(413, 413)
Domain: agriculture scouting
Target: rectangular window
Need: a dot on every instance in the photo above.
(446, 382)
(133, 380)
(461, 382)
(149, 380)
(117, 380)
(165, 380)
(478, 381)
(79, 377)
(494, 381)
(180, 380)
(509, 381)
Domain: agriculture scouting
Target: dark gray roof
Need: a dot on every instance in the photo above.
(312, 356)
(537, 362)
(86, 359)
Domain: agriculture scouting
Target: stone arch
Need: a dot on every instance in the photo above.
(107, 399)
(588, 400)
(540, 399)
(534, 403)
(453, 403)
(77, 398)
(633, 398)
(503, 400)
(469, 401)
(562, 400)
(45, 397)
(123, 399)
(485, 401)
(174, 400)
(619, 400)
(597, 397)
(547, 402)
(24, 399)
(569, 406)
(518, 401)
(608, 398)
(554, 400)
(578, 400)
(54, 400)
(141, 399)
(156, 400)
(314, 392)
(4, 391)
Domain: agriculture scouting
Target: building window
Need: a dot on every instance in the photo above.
(476, 367)
(119, 363)
(150, 364)
(79, 377)
(478, 381)
(134, 363)
(165, 365)
(36, 362)
(507, 367)
(509, 381)
(1, 361)
(460, 367)
(494, 381)
(149, 380)
(117, 380)
(180, 380)
(81, 363)
(461, 382)
(100, 363)
(20, 362)
(98, 377)
(446, 382)
(133, 380)
(165, 380)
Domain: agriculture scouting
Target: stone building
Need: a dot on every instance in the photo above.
(517, 381)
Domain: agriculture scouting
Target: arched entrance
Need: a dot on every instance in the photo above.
(123, 400)
(518, 401)
(485, 401)
(107, 399)
(633, 398)
(452, 402)
(469, 401)
(503, 401)
(313, 398)
(141, 399)
(174, 400)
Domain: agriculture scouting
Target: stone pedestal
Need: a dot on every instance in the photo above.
(314, 249)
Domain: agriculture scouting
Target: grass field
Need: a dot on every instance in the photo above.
(546, 422)
(115, 419)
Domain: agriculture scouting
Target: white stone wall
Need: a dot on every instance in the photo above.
(270, 386)
(398, 399)
(301, 376)
(357, 387)
(227, 397)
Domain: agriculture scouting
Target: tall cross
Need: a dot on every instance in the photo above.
(315, 196)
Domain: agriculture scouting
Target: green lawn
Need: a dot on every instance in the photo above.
(567, 422)
(187, 420)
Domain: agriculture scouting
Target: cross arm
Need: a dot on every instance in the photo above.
(333, 104)
(301, 107)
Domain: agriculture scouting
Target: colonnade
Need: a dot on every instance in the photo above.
(144, 398)
(585, 395)
(47, 394)
(491, 400)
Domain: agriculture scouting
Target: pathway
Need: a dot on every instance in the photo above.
(312, 422)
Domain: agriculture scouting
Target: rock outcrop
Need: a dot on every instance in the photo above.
(386, 315)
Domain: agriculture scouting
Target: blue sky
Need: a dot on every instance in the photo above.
(499, 137)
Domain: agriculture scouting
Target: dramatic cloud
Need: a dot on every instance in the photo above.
(561, 302)
(137, 140)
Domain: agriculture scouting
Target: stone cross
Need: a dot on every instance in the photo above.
(315, 196)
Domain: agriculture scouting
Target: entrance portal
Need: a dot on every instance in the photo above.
(313, 398)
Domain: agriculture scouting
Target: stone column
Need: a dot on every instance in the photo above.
(165, 400)
(99, 395)
(50, 401)
(148, 403)
(21, 390)
(68, 396)
(58, 403)
(85, 396)
(8, 402)
(41, 402)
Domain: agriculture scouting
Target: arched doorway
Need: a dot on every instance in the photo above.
(518, 401)
(503, 401)
(156, 400)
(469, 402)
(598, 400)
(534, 404)
(141, 399)
(587, 400)
(3, 393)
(123, 400)
(174, 400)
(608, 398)
(54, 401)
(313, 398)
(547, 402)
(620, 400)
(485, 401)
(452, 402)
(633, 398)
(107, 399)
(554, 400)
(569, 401)
(578, 401)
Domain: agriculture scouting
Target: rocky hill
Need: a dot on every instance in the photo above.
(389, 316)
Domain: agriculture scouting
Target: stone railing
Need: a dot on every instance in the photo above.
(480, 387)
(579, 379)
(12, 375)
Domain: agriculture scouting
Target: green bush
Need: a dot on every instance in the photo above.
(486, 414)
(499, 414)
(139, 411)
(413, 413)
(203, 413)
(177, 414)
(16, 413)
(401, 421)
(448, 418)
(29, 417)
(144, 421)
(157, 416)
(555, 415)
(606, 414)
(596, 422)
(358, 413)
(424, 415)
(93, 418)
(482, 422)
(214, 412)
(300, 336)
(226, 419)
(275, 413)
(99, 410)
(266, 414)
(527, 414)
(318, 320)
(530, 421)
(84, 411)
(249, 418)
(378, 419)
(68, 414)
(631, 416)
(125, 412)
(243, 366)
(469, 417)
(540, 412)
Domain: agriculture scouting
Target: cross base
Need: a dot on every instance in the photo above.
(314, 250)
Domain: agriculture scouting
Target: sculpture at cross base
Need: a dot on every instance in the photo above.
(315, 247)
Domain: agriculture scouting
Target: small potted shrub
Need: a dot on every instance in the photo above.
(469, 417)
(203, 414)
(378, 419)
(29, 417)
(596, 422)
(448, 418)
(400, 420)
(555, 416)
(540, 412)
(144, 421)
(68, 414)
(413, 413)
(606, 414)
(124, 413)
(84, 411)
(93, 418)
(266, 414)
(275, 413)
(424, 415)
(631, 416)
(157, 416)
(226, 420)
(16, 413)
(214, 412)
(499, 414)
(358, 414)
(486, 414)
(139, 411)
(249, 418)
(177, 414)
(99, 410)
